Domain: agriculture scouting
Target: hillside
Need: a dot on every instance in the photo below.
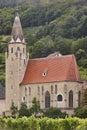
(13, 3)
(58, 26)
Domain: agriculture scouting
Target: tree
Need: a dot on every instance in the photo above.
(80, 54)
(13, 109)
(43, 47)
(24, 111)
(35, 106)
(63, 45)
(83, 62)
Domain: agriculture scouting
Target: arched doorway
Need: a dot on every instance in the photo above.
(71, 99)
(47, 99)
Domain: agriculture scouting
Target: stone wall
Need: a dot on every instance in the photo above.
(63, 88)
(2, 107)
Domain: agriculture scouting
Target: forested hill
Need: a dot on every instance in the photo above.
(10, 3)
(60, 25)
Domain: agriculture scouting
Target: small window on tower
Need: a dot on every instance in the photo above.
(18, 48)
(23, 98)
(24, 61)
(20, 55)
(12, 50)
(23, 50)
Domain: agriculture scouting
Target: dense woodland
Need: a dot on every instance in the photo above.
(48, 26)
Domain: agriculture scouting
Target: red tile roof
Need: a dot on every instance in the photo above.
(51, 69)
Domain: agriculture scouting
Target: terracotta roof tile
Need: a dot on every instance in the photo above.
(52, 69)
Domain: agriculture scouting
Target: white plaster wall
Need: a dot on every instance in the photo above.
(74, 86)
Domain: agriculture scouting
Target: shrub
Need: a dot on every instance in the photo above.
(54, 113)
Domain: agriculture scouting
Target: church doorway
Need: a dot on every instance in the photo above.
(47, 99)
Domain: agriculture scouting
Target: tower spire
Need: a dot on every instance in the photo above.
(17, 14)
(17, 32)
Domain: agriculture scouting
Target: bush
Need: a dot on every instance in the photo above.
(33, 123)
(81, 112)
(54, 113)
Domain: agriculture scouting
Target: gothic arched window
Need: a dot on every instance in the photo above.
(79, 99)
(18, 48)
(47, 99)
(71, 98)
(59, 98)
(12, 50)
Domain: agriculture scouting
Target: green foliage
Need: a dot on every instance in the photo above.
(24, 111)
(43, 47)
(81, 112)
(35, 106)
(54, 113)
(2, 123)
(13, 109)
(83, 73)
(33, 123)
(35, 109)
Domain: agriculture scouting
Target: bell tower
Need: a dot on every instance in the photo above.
(16, 62)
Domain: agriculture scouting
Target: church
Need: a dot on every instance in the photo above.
(54, 80)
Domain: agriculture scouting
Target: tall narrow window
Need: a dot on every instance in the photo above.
(23, 50)
(47, 99)
(18, 48)
(51, 89)
(71, 99)
(20, 55)
(65, 88)
(29, 91)
(42, 90)
(12, 50)
(55, 89)
(24, 61)
(79, 99)
(38, 89)
(25, 91)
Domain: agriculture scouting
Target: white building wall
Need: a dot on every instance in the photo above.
(63, 88)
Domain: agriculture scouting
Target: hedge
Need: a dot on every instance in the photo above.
(33, 123)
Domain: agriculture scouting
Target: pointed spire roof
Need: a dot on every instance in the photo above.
(17, 32)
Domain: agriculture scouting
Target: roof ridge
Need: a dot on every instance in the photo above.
(65, 56)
